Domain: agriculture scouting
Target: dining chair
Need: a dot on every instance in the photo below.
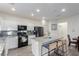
(70, 41)
(78, 43)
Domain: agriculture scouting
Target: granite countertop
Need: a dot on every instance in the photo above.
(45, 39)
(41, 39)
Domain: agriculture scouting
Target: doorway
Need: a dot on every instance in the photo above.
(62, 29)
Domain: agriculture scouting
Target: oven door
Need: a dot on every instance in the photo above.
(22, 41)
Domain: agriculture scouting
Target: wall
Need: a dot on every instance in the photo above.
(73, 25)
(53, 33)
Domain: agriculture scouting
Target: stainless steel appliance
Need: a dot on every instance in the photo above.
(39, 31)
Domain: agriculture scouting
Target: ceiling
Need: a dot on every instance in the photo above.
(51, 11)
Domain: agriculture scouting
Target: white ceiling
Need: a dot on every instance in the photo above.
(49, 10)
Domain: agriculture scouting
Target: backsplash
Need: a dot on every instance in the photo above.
(8, 33)
(14, 33)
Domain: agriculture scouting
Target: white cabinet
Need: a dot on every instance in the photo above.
(1, 47)
(12, 42)
(30, 37)
(35, 48)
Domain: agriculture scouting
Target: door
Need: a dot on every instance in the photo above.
(62, 29)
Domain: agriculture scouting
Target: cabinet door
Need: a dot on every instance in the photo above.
(12, 42)
(35, 48)
(30, 39)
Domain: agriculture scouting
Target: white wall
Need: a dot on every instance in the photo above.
(73, 25)
(53, 33)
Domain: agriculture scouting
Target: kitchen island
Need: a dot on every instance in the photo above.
(38, 42)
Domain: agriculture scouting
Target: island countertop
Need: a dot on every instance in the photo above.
(45, 39)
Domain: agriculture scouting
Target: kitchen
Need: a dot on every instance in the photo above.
(10, 28)
(13, 33)
(34, 31)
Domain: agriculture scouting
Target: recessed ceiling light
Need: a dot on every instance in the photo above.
(63, 10)
(13, 9)
(38, 10)
(32, 14)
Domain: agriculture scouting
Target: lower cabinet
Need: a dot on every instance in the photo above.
(30, 37)
(12, 42)
(37, 48)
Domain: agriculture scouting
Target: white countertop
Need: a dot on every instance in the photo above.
(45, 39)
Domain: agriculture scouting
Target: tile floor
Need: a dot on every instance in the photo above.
(73, 51)
(26, 51)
